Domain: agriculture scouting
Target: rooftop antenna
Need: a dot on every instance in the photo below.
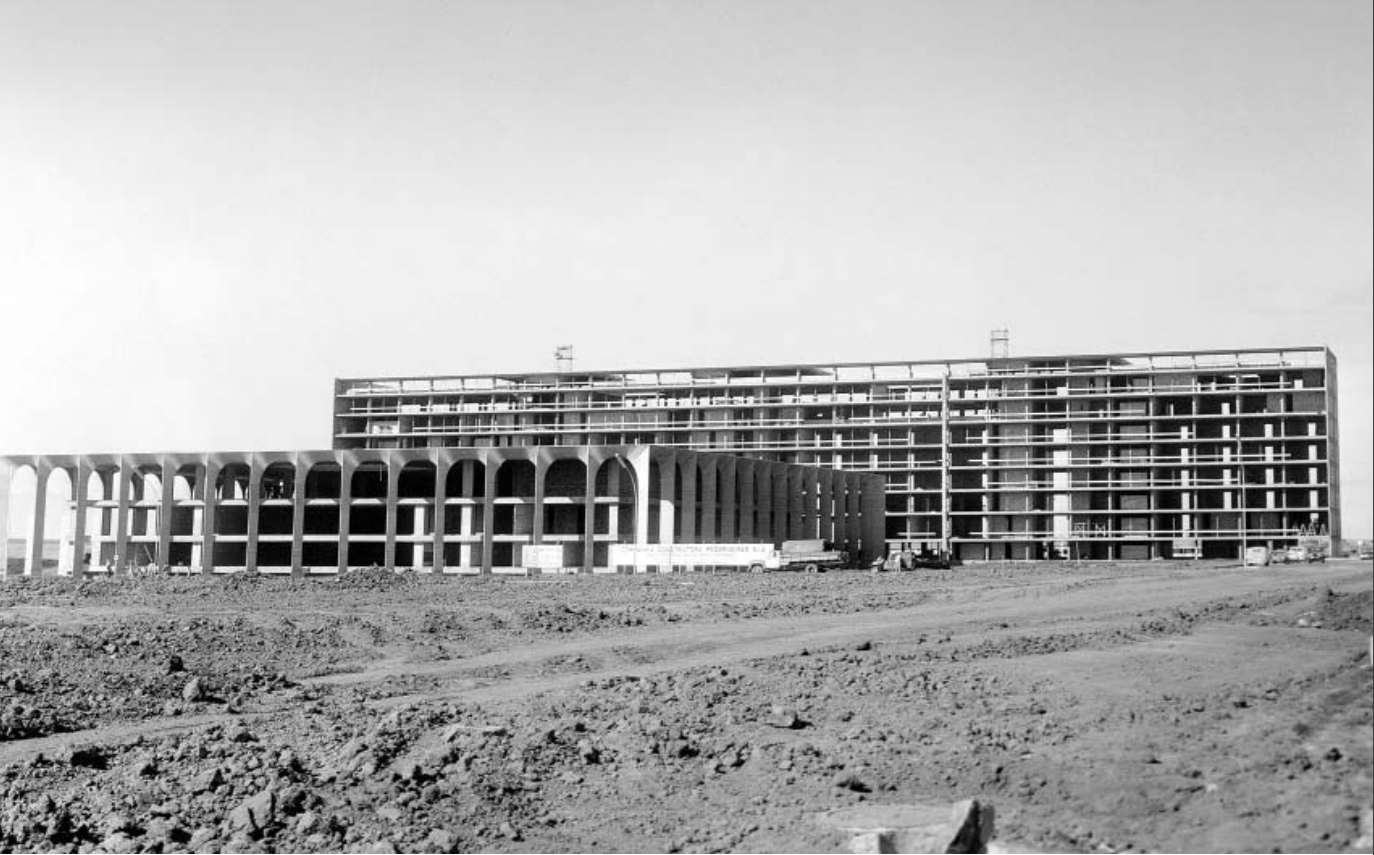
(563, 353)
(1000, 340)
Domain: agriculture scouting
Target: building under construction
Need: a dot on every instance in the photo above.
(1100, 456)
(1106, 456)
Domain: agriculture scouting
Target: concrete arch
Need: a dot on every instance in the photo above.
(231, 482)
(412, 544)
(513, 523)
(369, 480)
(417, 480)
(365, 512)
(21, 501)
(273, 525)
(654, 504)
(278, 482)
(322, 493)
(464, 514)
(144, 516)
(466, 479)
(564, 519)
(60, 514)
(515, 479)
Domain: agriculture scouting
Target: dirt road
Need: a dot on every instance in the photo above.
(1099, 708)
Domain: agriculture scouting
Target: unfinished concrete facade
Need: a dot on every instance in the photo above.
(1106, 456)
(442, 510)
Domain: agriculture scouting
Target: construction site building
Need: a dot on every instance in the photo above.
(1096, 456)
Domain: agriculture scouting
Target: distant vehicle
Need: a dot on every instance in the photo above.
(812, 556)
(1257, 556)
(907, 559)
(1278, 556)
(1297, 555)
(1365, 550)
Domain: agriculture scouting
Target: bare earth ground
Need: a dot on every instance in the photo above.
(1098, 708)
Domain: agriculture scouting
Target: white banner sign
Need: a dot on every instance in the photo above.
(695, 554)
(542, 556)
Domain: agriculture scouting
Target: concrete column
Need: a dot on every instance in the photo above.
(250, 555)
(488, 510)
(688, 511)
(541, 471)
(589, 512)
(166, 504)
(783, 517)
(739, 495)
(6, 476)
(440, 512)
(122, 513)
(796, 528)
(709, 476)
(825, 494)
(737, 500)
(808, 503)
(668, 510)
(79, 487)
(639, 461)
(34, 563)
(207, 523)
(763, 503)
(841, 512)
(393, 492)
(302, 472)
(874, 525)
(854, 511)
(346, 468)
(946, 529)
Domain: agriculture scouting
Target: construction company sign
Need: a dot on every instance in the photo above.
(542, 556)
(693, 554)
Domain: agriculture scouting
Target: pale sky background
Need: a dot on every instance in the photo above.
(208, 210)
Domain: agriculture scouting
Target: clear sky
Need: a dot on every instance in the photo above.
(208, 210)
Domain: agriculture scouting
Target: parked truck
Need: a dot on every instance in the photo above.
(812, 556)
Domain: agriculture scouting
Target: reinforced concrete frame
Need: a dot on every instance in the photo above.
(1105, 456)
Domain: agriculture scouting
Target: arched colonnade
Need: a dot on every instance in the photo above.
(439, 510)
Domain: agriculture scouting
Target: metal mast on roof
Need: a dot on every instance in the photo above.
(1000, 341)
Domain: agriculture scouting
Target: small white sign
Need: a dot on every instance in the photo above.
(689, 554)
(542, 556)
